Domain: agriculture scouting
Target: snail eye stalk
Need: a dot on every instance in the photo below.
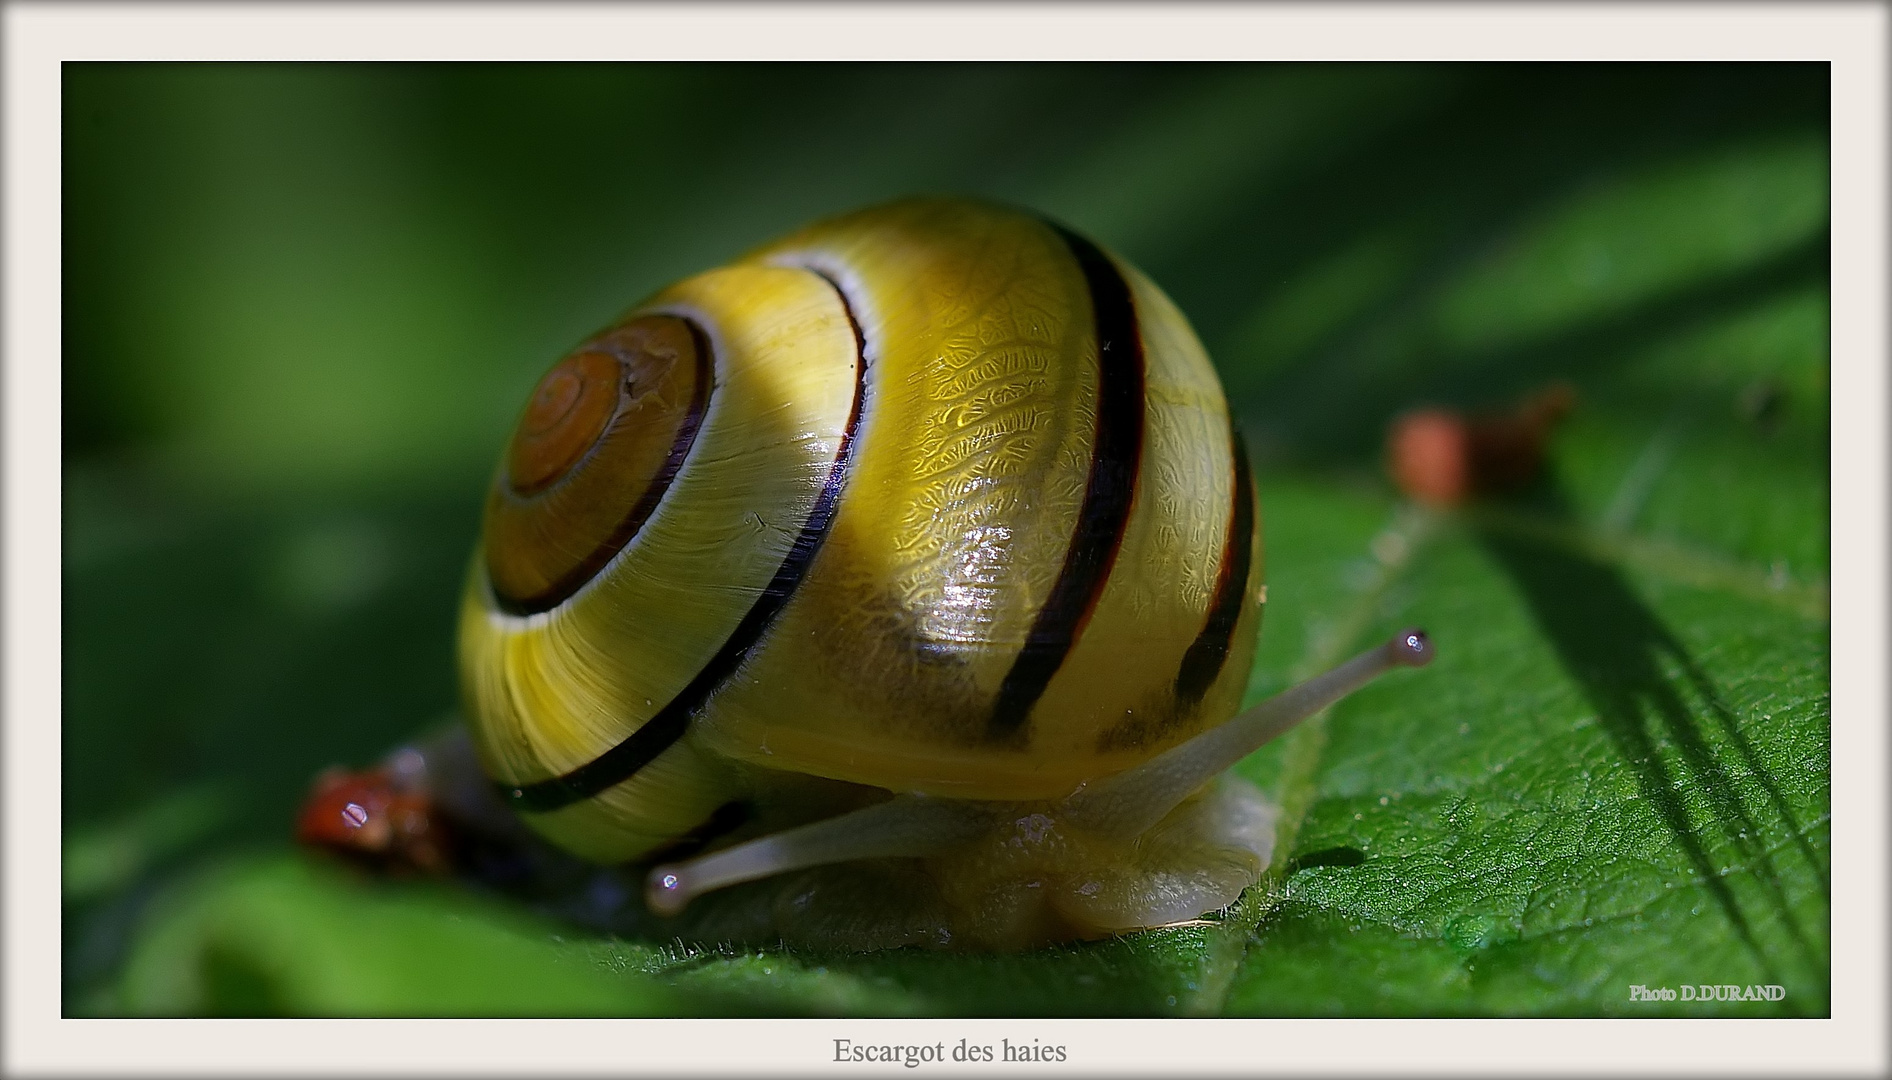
(1131, 801)
(1123, 806)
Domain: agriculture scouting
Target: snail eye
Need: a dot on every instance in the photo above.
(603, 434)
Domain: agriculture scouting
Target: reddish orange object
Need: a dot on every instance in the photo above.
(1443, 458)
(370, 816)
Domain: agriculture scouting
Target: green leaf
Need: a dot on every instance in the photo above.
(1607, 779)
(284, 937)
(107, 858)
(303, 305)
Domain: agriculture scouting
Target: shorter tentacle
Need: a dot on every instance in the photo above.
(905, 825)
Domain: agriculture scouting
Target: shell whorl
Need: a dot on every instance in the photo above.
(602, 438)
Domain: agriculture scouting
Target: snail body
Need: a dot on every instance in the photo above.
(920, 534)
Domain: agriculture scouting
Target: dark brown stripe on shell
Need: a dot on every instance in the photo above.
(568, 584)
(1116, 457)
(642, 746)
(1203, 663)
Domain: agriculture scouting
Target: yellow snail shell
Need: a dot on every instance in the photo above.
(936, 501)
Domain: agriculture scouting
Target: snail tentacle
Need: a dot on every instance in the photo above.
(1123, 806)
(905, 825)
(1128, 803)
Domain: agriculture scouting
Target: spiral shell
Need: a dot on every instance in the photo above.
(935, 497)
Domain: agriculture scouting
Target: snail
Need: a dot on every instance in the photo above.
(907, 569)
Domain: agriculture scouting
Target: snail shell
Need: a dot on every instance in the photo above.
(936, 499)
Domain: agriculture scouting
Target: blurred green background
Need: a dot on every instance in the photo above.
(303, 304)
